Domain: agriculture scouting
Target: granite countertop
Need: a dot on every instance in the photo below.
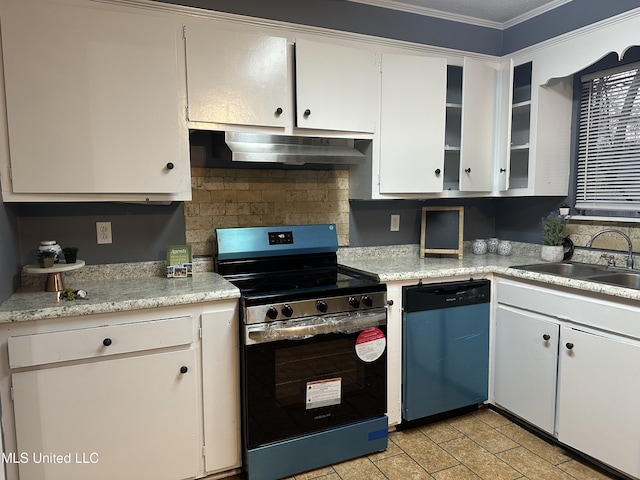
(109, 291)
(401, 263)
(126, 287)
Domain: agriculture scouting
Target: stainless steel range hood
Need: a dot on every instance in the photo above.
(258, 147)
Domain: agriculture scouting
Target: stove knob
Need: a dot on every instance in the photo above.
(322, 306)
(272, 313)
(287, 311)
(366, 300)
(354, 302)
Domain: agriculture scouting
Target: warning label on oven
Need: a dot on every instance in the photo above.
(370, 344)
(324, 393)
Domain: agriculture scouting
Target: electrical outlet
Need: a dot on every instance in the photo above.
(103, 231)
(395, 223)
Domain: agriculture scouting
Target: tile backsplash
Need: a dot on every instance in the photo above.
(241, 198)
(581, 231)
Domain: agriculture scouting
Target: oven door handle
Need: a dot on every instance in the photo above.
(308, 327)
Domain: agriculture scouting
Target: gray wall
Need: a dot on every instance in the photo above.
(10, 259)
(140, 232)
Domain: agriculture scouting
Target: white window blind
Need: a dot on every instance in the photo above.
(608, 173)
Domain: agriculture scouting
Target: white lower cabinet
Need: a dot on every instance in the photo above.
(598, 391)
(526, 360)
(568, 364)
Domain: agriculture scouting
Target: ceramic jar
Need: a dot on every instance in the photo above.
(504, 247)
(51, 246)
(492, 245)
(479, 246)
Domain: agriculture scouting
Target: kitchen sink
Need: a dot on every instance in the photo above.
(585, 271)
(621, 279)
(565, 269)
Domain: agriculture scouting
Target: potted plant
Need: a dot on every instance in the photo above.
(70, 254)
(564, 209)
(554, 231)
(46, 258)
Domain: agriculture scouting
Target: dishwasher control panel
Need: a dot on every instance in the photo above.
(432, 296)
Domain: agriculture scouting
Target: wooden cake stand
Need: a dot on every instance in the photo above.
(54, 274)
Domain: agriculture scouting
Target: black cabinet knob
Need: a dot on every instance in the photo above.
(390, 302)
(322, 306)
(546, 336)
(278, 111)
(437, 172)
(307, 112)
(170, 166)
(467, 170)
(184, 369)
(569, 346)
(287, 310)
(502, 170)
(106, 342)
(272, 313)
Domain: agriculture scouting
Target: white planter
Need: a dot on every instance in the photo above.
(552, 253)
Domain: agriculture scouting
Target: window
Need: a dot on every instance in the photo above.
(608, 170)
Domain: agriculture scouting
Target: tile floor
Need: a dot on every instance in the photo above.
(481, 445)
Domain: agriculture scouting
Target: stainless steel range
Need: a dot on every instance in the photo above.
(313, 349)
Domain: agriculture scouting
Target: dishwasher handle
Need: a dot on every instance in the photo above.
(423, 297)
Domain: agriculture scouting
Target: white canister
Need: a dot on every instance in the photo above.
(504, 247)
(51, 246)
(479, 246)
(492, 245)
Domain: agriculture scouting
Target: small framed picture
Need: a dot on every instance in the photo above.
(441, 232)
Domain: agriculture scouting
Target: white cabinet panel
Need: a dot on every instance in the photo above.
(236, 77)
(136, 416)
(412, 125)
(336, 87)
(525, 365)
(478, 126)
(94, 102)
(598, 393)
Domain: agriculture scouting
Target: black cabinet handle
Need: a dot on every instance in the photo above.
(569, 346)
(467, 170)
(106, 342)
(307, 112)
(278, 111)
(546, 336)
(437, 172)
(170, 166)
(184, 369)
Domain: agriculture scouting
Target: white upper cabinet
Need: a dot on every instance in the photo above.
(537, 133)
(236, 77)
(336, 87)
(412, 124)
(94, 103)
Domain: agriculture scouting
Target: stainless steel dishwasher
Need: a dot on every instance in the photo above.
(445, 343)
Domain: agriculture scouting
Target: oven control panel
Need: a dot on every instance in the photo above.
(281, 238)
(314, 307)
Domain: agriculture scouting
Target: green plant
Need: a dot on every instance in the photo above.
(70, 250)
(46, 254)
(554, 229)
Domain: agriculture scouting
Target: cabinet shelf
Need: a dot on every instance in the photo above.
(524, 146)
(524, 104)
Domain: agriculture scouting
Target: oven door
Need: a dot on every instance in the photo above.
(311, 374)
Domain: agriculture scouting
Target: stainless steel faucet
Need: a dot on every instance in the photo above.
(624, 235)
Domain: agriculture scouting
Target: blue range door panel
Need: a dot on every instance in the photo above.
(445, 359)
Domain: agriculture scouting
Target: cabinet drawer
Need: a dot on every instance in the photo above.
(44, 348)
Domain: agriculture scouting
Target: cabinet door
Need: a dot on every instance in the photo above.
(93, 99)
(336, 87)
(478, 126)
(127, 418)
(221, 389)
(525, 365)
(598, 391)
(236, 77)
(412, 124)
